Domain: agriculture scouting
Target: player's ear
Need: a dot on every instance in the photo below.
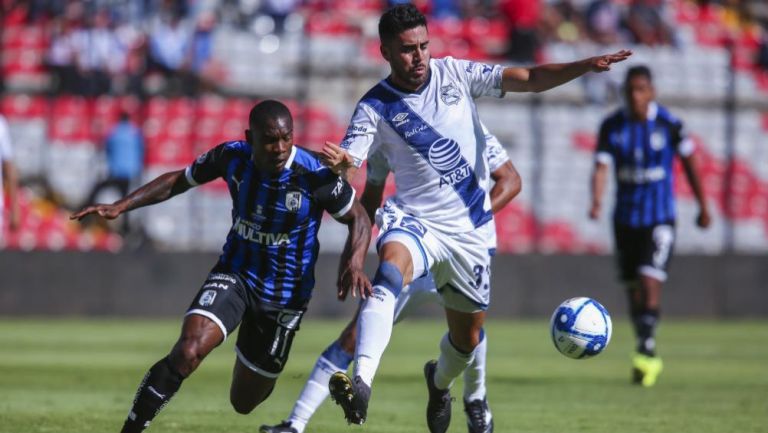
(384, 51)
(248, 136)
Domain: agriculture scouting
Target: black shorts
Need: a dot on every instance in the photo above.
(266, 332)
(644, 251)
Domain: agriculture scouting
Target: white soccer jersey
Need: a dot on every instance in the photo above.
(378, 168)
(6, 154)
(433, 141)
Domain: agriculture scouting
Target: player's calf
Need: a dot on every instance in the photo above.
(157, 388)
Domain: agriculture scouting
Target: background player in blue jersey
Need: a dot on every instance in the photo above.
(338, 355)
(641, 142)
(264, 277)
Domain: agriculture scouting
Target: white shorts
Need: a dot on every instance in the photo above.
(414, 295)
(460, 263)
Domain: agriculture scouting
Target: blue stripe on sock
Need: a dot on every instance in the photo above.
(335, 354)
(389, 277)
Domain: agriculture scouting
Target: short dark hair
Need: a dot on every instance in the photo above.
(639, 71)
(399, 19)
(268, 109)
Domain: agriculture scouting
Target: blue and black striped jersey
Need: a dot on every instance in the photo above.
(642, 153)
(273, 241)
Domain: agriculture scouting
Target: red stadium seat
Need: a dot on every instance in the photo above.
(23, 106)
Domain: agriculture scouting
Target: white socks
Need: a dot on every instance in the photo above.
(474, 375)
(315, 391)
(451, 363)
(374, 329)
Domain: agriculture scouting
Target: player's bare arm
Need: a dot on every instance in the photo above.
(690, 167)
(597, 187)
(338, 160)
(162, 188)
(352, 277)
(507, 186)
(12, 182)
(544, 77)
(371, 198)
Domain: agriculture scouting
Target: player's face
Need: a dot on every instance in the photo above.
(639, 93)
(408, 57)
(271, 143)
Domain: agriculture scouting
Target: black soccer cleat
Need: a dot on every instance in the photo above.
(479, 419)
(439, 405)
(283, 427)
(352, 395)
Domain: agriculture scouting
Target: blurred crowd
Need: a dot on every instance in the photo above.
(112, 46)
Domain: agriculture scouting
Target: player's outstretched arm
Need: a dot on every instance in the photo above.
(11, 177)
(544, 77)
(597, 187)
(352, 278)
(508, 185)
(162, 188)
(703, 220)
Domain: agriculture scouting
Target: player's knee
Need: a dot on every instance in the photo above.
(243, 407)
(245, 402)
(188, 355)
(388, 275)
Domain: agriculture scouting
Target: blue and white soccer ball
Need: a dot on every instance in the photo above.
(581, 328)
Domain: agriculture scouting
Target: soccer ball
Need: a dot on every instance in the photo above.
(581, 328)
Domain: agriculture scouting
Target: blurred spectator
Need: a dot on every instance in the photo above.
(446, 9)
(762, 51)
(169, 44)
(523, 18)
(201, 51)
(561, 21)
(279, 10)
(99, 55)
(61, 58)
(124, 147)
(9, 175)
(647, 25)
(604, 22)
(130, 78)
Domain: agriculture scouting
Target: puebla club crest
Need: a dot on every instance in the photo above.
(450, 94)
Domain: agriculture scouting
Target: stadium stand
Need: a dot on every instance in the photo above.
(321, 56)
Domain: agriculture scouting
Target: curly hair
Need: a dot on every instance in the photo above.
(399, 19)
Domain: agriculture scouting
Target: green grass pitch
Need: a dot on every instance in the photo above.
(79, 376)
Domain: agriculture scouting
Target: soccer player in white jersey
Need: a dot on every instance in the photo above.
(423, 119)
(338, 355)
(9, 175)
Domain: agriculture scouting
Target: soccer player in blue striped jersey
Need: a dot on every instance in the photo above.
(264, 277)
(641, 141)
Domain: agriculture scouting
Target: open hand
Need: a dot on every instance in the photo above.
(703, 220)
(603, 63)
(108, 211)
(336, 158)
(354, 280)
